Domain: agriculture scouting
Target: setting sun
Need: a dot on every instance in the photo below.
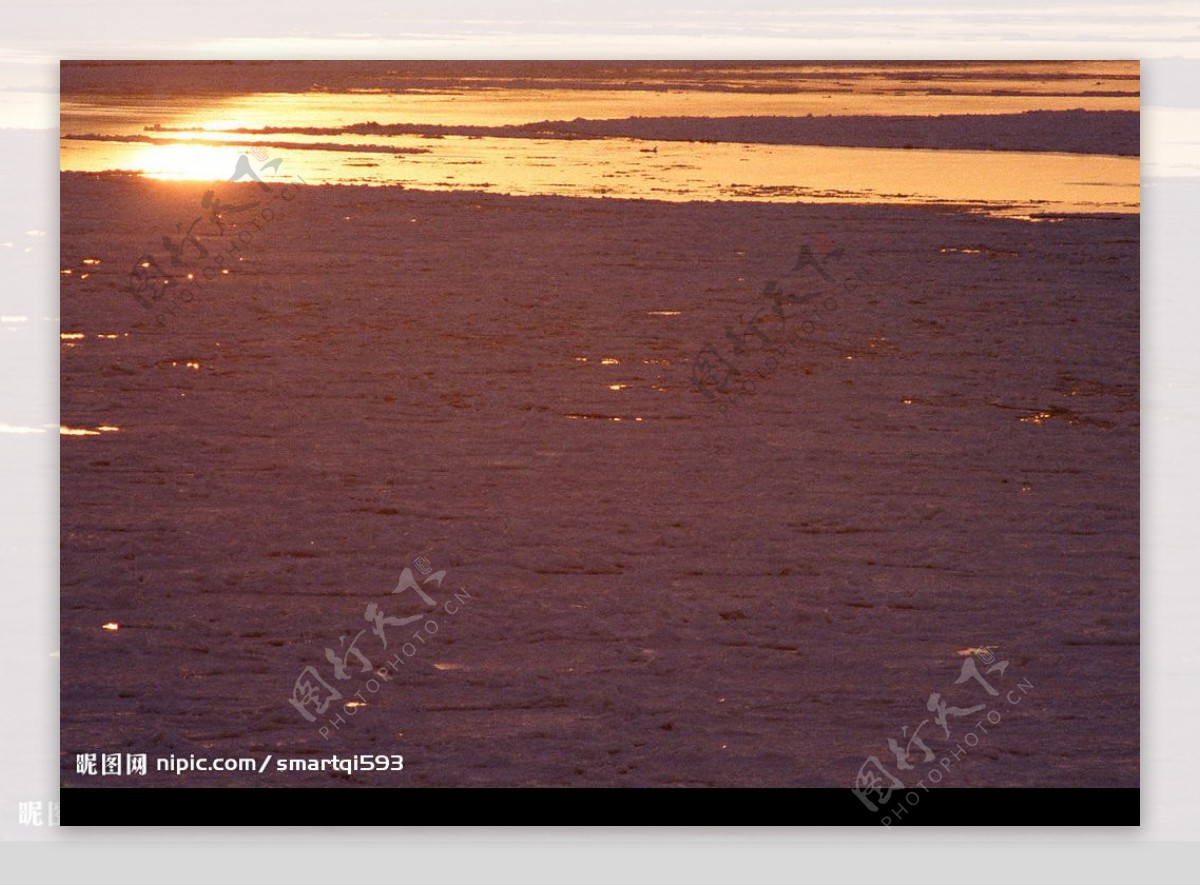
(192, 161)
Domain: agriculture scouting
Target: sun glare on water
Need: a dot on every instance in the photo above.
(187, 162)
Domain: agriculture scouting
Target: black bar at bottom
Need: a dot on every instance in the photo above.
(247, 807)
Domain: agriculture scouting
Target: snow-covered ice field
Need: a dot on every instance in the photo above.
(760, 597)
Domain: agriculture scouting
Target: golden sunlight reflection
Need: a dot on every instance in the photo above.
(341, 138)
(110, 626)
(185, 162)
(599, 416)
(784, 89)
(1014, 183)
(65, 431)
(1037, 418)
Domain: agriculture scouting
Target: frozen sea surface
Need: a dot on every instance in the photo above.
(947, 458)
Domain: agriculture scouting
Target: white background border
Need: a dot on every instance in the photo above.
(1166, 36)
